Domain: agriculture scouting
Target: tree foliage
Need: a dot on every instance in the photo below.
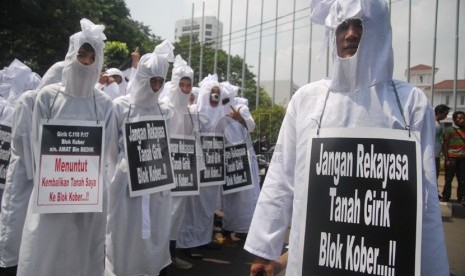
(182, 48)
(268, 122)
(116, 55)
(37, 32)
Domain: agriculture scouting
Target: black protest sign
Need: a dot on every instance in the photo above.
(69, 173)
(212, 149)
(184, 160)
(147, 150)
(5, 142)
(238, 174)
(362, 207)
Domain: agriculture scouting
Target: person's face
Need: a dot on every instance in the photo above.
(85, 57)
(215, 96)
(156, 83)
(460, 120)
(185, 84)
(348, 36)
(118, 79)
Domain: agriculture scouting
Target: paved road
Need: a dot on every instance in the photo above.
(236, 261)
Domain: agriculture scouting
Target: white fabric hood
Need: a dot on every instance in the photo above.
(79, 80)
(123, 85)
(151, 65)
(373, 62)
(20, 78)
(175, 96)
(209, 116)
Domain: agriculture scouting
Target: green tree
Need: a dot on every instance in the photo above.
(116, 55)
(268, 121)
(37, 32)
(182, 48)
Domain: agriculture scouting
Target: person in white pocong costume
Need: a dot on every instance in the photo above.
(64, 243)
(197, 227)
(176, 95)
(238, 207)
(360, 94)
(138, 227)
(19, 178)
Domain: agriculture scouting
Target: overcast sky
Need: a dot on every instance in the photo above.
(161, 16)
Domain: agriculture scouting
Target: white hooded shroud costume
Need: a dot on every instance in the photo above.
(197, 227)
(361, 94)
(70, 243)
(19, 177)
(138, 227)
(238, 207)
(181, 123)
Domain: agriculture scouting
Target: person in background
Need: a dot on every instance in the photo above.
(454, 146)
(64, 243)
(19, 184)
(361, 93)
(181, 123)
(138, 227)
(238, 207)
(197, 227)
(440, 112)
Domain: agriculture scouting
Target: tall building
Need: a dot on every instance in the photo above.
(211, 29)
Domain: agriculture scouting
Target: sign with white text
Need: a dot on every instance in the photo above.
(238, 172)
(212, 145)
(69, 173)
(147, 150)
(363, 203)
(184, 160)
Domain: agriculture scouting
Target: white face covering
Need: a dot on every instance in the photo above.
(150, 65)
(79, 79)
(373, 62)
(116, 72)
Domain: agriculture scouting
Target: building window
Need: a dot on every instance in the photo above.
(208, 33)
(421, 79)
(447, 99)
(462, 100)
(208, 26)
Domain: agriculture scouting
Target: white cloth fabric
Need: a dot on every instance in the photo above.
(42, 250)
(121, 86)
(180, 124)
(19, 177)
(18, 186)
(197, 227)
(54, 74)
(367, 101)
(138, 227)
(6, 112)
(80, 79)
(238, 208)
(150, 65)
(111, 90)
(21, 78)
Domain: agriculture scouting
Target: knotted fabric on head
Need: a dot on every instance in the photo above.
(228, 91)
(151, 65)
(180, 70)
(79, 80)
(373, 62)
(21, 78)
(209, 116)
